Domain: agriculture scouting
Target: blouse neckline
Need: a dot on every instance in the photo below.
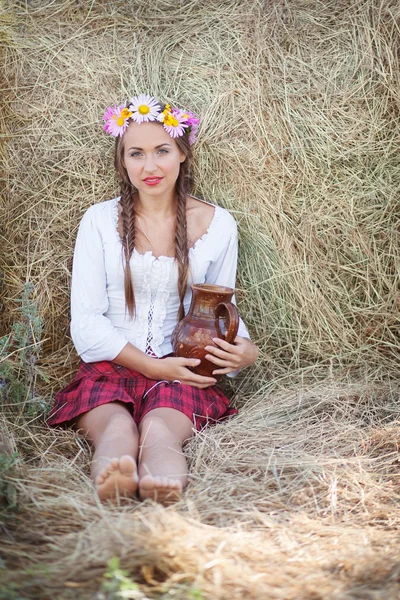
(198, 243)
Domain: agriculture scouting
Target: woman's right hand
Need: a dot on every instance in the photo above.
(177, 368)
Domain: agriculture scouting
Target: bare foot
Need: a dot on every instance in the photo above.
(160, 489)
(119, 476)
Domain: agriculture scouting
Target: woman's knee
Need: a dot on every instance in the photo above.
(110, 418)
(165, 422)
(120, 423)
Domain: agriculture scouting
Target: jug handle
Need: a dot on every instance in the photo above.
(233, 321)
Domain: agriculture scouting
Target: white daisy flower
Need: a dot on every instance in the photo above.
(144, 108)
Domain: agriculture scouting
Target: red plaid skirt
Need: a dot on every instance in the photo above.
(102, 382)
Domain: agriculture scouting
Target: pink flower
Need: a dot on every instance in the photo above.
(192, 119)
(116, 120)
(193, 123)
(175, 122)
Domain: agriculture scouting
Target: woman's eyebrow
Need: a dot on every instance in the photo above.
(159, 146)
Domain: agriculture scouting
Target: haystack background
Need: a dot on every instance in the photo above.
(299, 106)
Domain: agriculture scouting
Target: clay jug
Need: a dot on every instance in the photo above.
(211, 314)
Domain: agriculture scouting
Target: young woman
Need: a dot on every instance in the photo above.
(134, 261)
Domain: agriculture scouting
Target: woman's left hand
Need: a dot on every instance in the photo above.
(231, 357)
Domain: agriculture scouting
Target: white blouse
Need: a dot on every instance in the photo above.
(100, 325)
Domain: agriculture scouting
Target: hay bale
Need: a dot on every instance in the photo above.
(298, 139)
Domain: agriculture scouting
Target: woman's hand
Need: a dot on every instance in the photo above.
(231, 357)
(176, 368)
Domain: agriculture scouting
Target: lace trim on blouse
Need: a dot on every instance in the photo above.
(149, 350)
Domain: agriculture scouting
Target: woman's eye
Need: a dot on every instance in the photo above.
(134, 154)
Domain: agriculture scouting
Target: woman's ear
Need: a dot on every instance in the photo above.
(183, 157)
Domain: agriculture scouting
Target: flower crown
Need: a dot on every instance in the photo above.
(145, 108)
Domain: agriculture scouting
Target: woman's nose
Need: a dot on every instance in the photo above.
(149, 164)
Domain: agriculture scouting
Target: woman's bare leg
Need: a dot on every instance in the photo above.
(162, 465)
(113, 432)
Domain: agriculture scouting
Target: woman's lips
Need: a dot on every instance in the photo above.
(153, 181)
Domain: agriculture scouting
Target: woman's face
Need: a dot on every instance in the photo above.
(150, 154)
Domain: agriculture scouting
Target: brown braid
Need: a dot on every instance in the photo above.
(183, 187)
(181, 243)
(128, 242)
(128, 223)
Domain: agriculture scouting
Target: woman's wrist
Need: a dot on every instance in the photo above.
(151, 368)
(133, 358)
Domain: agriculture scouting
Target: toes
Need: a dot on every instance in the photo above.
(175, 484)
(102, 476)
(178, 487)
(99, 480)
(127, 465)
(114, 464)
(160, 489)
(147, 482)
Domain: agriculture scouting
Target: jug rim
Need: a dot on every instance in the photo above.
(210, 287)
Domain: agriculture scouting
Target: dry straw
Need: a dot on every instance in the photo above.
(298, 497)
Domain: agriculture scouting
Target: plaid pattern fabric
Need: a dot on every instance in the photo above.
(101, 382)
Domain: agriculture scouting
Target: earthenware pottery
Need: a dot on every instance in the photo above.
(211, 314)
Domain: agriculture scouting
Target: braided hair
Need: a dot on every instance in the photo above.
(183, 187)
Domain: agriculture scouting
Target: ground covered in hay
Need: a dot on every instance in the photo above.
(298, 496)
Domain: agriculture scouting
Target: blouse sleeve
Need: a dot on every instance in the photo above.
(94, 336)
(222, 270)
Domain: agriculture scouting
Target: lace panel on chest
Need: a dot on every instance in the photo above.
(149, 350)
